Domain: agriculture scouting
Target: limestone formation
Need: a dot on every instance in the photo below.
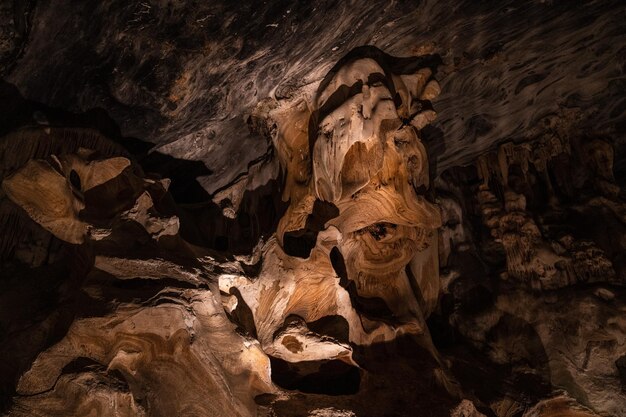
(290, 209)
(549, 309)
(357, 217)
(171, 331)
(145, 346)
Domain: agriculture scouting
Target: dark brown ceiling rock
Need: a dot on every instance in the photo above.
(183, 75)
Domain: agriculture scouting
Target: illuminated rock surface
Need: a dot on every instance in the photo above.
(324, 209)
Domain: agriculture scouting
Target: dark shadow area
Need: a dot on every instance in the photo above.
(299, 243)
(406, 371)
(82, 364)
(398, 379)
(259, 213)
(331, 377)
(17, 111)
(371, 307)
(242, 315)
(183, 173)
(339, 265)
(334, 326)
(35, 313)
(471, 296)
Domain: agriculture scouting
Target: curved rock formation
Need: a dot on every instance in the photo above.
(143, 344)
(353, 263)
(305, 225)
(358, 240)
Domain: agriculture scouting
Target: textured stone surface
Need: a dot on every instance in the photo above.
(312, 209)
(191, 72)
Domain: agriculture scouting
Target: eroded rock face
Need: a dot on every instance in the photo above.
(547, 224)
(357, 244)
(183, 74)
(353, 254)
(149, 324)
(165, 328)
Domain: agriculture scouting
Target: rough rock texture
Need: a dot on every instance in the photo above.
(141, 344)
(539, 287)
(312, 209)
(184, 74)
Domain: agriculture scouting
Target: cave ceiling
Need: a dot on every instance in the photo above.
(184, 76)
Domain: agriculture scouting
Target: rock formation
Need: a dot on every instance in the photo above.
(552, 306)
(353, 263)
(411, 210)
(357, 243)
(150, 326)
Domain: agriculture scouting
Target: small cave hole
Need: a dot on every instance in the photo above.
(299, 243)
(221, 243)
(334, 326)
(333, 377)
(75, 180)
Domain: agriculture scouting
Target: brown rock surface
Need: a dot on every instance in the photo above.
(216, 209)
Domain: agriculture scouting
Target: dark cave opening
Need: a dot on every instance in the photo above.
(333, 377)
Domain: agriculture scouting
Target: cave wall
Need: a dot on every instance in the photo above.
(323, 209)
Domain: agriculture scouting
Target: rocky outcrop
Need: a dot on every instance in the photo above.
(351, 268)
(233, 209)
(529, 279)
(136, 341)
